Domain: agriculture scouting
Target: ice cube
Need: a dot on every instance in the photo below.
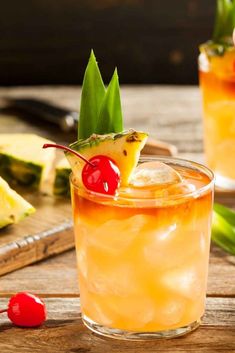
(118, 279)
(82, 261)
(188, 281)
(134, 312)
(162, 248)
(153, 174)
(171, 311)
(99, 315)
(95, 307)
(115, 236)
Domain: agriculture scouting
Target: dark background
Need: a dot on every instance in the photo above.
(151, 41)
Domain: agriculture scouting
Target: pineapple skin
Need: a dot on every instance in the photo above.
(18, 172)
(61, 184)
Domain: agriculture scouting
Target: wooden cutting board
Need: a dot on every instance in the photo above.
(47, 232)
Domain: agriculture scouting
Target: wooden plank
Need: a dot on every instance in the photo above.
(64, 332)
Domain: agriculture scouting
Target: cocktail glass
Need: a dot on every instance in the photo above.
(143, 255)
(217, 81)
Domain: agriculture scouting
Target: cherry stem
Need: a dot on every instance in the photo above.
(3, 311)
(65, 148)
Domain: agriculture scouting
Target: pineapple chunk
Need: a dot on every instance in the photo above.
(13, 207)
(61, 184)
(24, 162)
(123, 148)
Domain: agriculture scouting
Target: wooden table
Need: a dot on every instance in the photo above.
(172, 114)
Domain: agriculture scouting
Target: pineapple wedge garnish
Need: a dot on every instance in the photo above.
(123, 148)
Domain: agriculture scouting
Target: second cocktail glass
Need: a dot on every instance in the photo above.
(217, 81)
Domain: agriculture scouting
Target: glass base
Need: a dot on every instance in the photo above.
(224, 183)
(138, 336)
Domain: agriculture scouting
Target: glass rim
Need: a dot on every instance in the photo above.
(168, 160)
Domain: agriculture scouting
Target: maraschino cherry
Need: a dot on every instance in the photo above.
(100, 173)
(26, 310)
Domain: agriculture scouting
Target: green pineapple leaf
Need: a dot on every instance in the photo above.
(223, 228)
(93, 93)
(224, 21)
(225, 212)
(110, 117)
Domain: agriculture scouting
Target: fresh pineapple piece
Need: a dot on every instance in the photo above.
(61, 184)
(13, 207)
(24, 162)
(123, 148)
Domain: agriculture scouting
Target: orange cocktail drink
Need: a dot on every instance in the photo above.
(143, 255)
(217, 81)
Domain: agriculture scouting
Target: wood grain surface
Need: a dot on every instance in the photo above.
(55, 277)
(171, 114)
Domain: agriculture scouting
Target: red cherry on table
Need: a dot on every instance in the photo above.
(26, 310)
(101, 175)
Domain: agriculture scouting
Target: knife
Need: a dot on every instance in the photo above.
(68, 120)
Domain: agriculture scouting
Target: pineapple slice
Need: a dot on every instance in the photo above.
(24, 162)
(123, 148)
(61, 183)
(13, 207)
